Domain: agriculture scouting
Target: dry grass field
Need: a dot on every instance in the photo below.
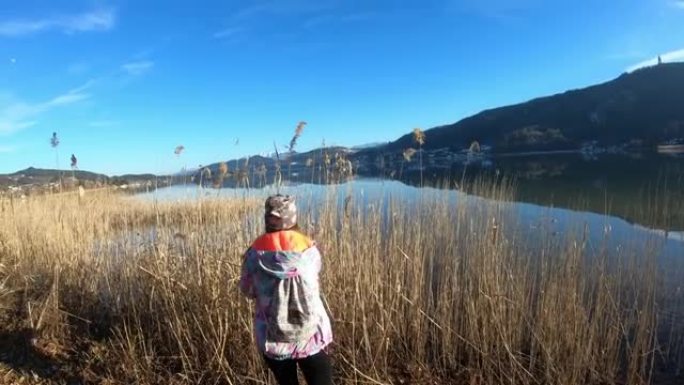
(106, 289)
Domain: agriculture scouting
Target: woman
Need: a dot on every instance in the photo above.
(280, 272)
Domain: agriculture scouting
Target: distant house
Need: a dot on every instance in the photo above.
(673, 146)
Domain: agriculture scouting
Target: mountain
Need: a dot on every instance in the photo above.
(643, 107)
(636, 110)
(41, 177)
(33, 175)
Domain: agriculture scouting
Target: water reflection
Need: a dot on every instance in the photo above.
(642, 188)
(532, 220)
(646, 189)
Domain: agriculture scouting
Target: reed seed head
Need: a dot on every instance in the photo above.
(54, 141)
(419, 136)
(408, 153)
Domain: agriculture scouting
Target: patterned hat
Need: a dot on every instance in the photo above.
(281, 212)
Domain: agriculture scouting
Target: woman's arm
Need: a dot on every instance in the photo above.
(247, 276)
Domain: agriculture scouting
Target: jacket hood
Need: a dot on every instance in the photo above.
(287, 264)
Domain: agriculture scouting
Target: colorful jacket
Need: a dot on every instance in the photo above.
(280, 271)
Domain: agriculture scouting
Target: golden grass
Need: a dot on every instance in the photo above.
(107, 289)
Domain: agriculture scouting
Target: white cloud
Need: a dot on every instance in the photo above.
(138, 68)
(66, 99)
(97, 20)
(250, 11)
(16, 115)
(243, 19)
(281, 7)
(78, 68)
(8, 126)
(668, 57)
(6, 149)
(328, 19)
(227, 33)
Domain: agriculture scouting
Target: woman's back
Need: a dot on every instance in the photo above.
(281, 273)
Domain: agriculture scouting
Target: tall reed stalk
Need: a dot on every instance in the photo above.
(444, 290)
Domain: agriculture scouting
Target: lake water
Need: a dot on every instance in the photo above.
(642, 188)
(531, 219)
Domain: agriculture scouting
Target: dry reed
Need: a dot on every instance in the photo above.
(114, 290)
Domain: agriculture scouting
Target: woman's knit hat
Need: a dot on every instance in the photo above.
(281, 212)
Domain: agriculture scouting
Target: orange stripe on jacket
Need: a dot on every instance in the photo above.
(288, 240)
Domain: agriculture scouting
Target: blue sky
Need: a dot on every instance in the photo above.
(125, 82)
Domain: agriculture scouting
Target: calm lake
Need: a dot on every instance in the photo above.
(620, 202)
(642, 188)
